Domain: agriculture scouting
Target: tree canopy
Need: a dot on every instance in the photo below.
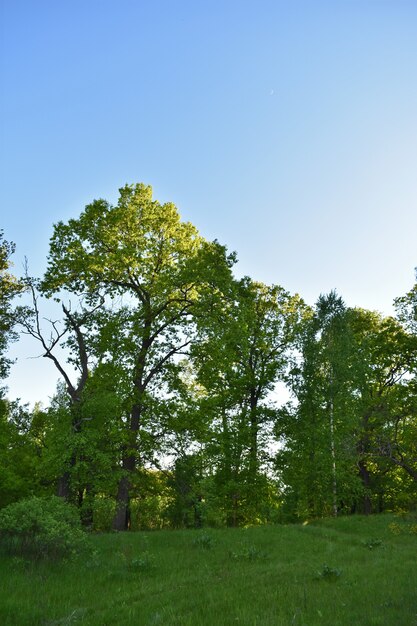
(169, 413)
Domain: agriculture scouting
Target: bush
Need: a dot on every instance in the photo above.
(41, 528)
(204, 540)
(248, 553)
(329, 573)
(371, 544)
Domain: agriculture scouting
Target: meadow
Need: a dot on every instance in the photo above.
(349, 571)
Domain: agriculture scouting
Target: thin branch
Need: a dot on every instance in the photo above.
(157, 368)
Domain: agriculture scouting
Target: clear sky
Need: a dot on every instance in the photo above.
(287, 130)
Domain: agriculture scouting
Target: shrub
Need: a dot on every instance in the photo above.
(329, 573)
(204, 541)
(371, 544)
(395, 528)
(41, 528)
(248, 553)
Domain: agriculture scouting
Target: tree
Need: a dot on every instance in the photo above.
(240, 355)
(353, 424)
(9, 288)
(385, 373)
(152, 268)
(13, 455)
(317, 430)
(68, 345)
(19, 461)
(331, 321)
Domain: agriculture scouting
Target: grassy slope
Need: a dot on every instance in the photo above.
(262, 576)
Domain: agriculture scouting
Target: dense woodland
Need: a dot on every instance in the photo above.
(167, 413)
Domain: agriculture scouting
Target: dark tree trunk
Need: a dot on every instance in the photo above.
(366, 481)
(64, 482)
(364, 473)
(63, 487)
(198, 522)
(232, 518)
(400, 462)
(121, 519)
(381, 502)
(254, 431)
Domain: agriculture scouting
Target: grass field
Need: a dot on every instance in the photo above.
(354, 571)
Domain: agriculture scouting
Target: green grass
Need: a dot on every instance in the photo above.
(351, 571)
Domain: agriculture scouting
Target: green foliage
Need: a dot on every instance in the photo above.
(155, 270)
(41, 528)
(176, 359)
(330, 574)
(319, 461)
(185, 508)
(150, 499)
(240, 355)
(10, 286)
(103, 513)
(404, 524)
(248, 553)
(349, 439)
(20, 447)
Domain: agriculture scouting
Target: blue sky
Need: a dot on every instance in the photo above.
(287, 130)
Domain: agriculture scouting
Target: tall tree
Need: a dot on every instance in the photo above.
(317, 430)
(241, 354)
(385, 369)
(141, 253)
(67, 344)
(333, 330)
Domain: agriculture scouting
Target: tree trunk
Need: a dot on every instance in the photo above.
(63, 487)
(364, 473)
(366, 481)
(333, 452)
(254, 428)
(64, 481)
(121, 519)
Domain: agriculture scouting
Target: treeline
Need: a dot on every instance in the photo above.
(168, 414)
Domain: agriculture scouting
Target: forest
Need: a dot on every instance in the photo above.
(169, 412)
